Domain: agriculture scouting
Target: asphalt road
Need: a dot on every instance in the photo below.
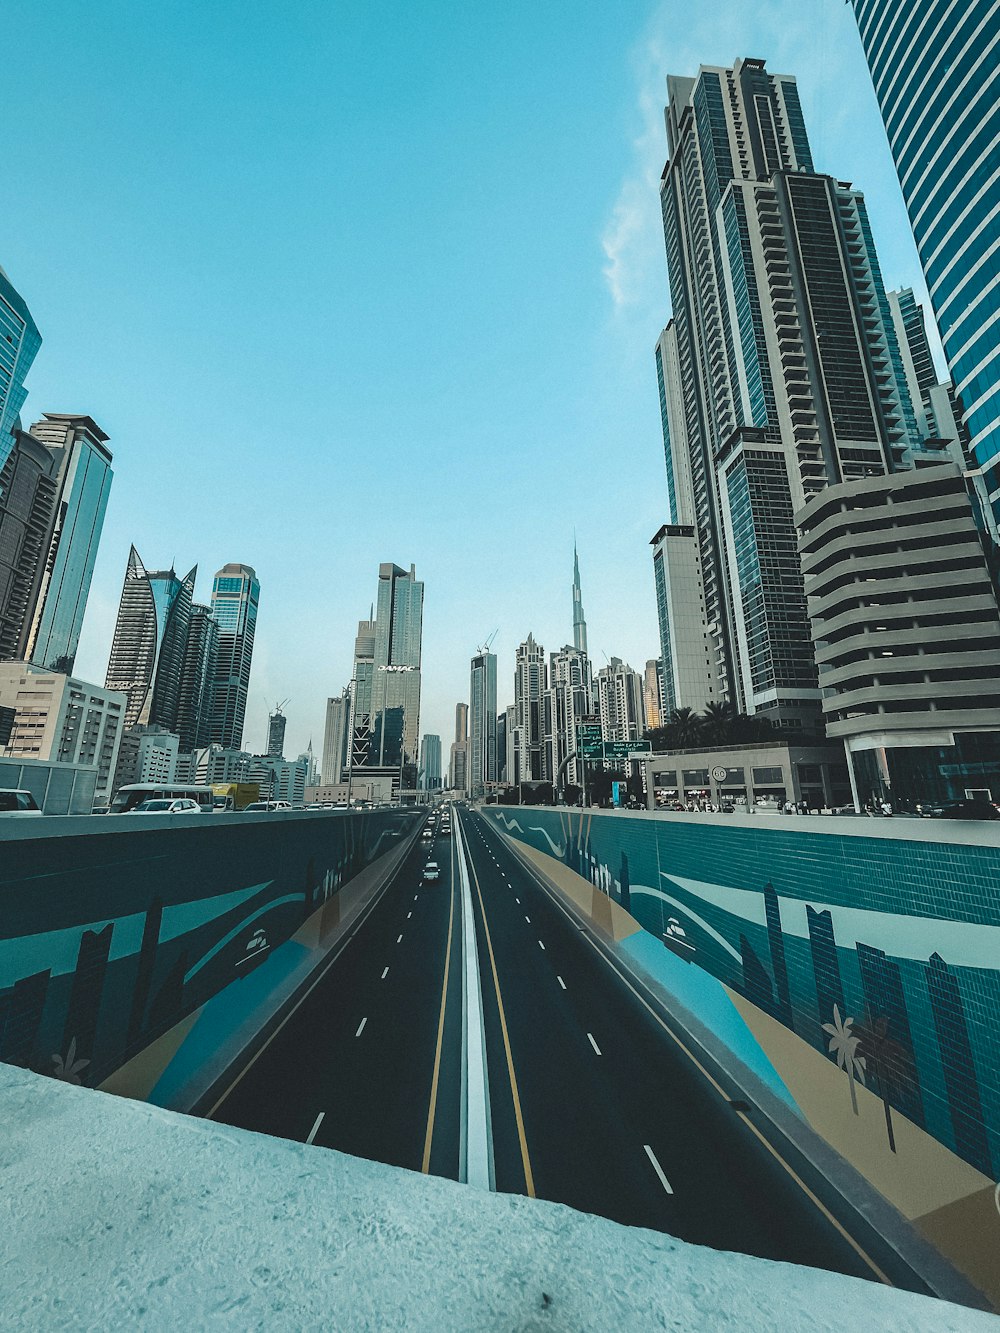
(360, 1062)
(592, 1102)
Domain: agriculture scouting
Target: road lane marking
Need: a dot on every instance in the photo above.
(561, 982)
(361, 1026)
(657, 1168)
(809, 1193)
(432, 1107)
(478, 1166)
(399, 939)
(529, 1180)
(590, 1038)
(518, 901)
(385, 973)
(408, 915)
(315, 1128)
(541, 945)
(528, 919)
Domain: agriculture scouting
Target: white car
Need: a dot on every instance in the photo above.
(259, 807)
(432, 872)
(16, 804)
(176, 805)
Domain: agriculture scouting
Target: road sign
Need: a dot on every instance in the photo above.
(587, 733)
(719, 773)
(592, 750)
(625, 749)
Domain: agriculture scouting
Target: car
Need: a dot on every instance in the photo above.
(432, 872)
(426, 835)
(261, 807)
(175, 805)
(15, 803)
(978, 808)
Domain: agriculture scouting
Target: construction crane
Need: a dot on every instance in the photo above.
(485, 648)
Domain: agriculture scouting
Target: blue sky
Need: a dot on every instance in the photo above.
(349, 281)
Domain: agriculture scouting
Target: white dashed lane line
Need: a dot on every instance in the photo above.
(316, 1124)
(658, 1168)
(361, 1026)
(561, 982)
(590, 1038)
(399, 939)
(541, 945)
(385, 973)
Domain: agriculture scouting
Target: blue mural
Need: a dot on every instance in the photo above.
(111, 933)
(881, 952)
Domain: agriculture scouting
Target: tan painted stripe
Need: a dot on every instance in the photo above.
(529, 1180)
(432, 1108)
(882, 1277)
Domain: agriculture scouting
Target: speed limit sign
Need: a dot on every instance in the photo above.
(719, 773)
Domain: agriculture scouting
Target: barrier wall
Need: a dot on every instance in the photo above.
(863, 958)
(117, 930)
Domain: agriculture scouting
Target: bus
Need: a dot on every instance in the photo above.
(128, 797)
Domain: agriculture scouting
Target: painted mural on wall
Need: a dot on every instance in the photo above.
(883, 954)
(109, 939)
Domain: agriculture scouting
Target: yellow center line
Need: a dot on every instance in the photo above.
(855, 1245)
(529, 1180)
(432, 1108)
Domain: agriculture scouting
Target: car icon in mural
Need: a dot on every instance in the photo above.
(675, 938)
(256, 946)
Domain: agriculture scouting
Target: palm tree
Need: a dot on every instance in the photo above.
(718, 720)
(844, 1045)
(889, 1062)
(685, 726)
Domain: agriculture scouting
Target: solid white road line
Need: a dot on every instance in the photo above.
(590, 1038)
(385, 973)
(361, 1026)
(658, 1168)
(541, 945)
(315, 1128)
(478, 1137)
(561, 982)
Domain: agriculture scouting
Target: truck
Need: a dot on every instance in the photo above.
(234, 795)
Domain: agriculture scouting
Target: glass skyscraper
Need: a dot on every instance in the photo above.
(936, 70)
(19, 344)
(385, 693)
(482, 768)
(150, 643)
(83, 479)
(779, 374)
(235, 595)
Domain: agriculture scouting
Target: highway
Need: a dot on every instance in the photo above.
(592, 1101)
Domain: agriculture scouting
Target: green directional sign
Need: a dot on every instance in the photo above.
(623, 749)
(591, 749)
(588, 733)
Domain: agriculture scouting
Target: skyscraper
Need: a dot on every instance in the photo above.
(482, 770)
(335, 736)
(235, 594)
(19, 344)
(458, 759)
(27, 502)
(779, 374)
(530, 682)
(936, 73)
(569, 698)
(385, 695)
(652, 691)
(619, 701)
(201, 653)
(82, 474)
(430, 763)
(150, 641)
(276, 733)
(579, 620)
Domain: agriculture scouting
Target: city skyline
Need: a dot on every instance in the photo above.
(612, 133)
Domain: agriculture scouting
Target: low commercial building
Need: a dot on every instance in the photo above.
(60, 719)
(147, 754)
(906, 628)
(763, 774)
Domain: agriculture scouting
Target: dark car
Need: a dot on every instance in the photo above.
(969, 809)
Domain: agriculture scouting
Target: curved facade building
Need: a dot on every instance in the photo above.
(936, 71)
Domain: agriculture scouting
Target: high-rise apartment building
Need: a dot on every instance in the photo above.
(276, 733)
(430, 763)
(19, 344)
(568, 700)
(235, 595)
(385, 692)
(82, 475)
(201, 653)
(502, 746)
(779, 374)
(936, 71)
(482, 768)
(336, 734)
(530, 683)
(458, 760)
(619, 702)
(27, 502)
(150, 643)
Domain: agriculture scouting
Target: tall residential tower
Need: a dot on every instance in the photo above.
(235, 595)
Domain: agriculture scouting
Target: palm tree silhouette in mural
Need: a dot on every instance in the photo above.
(888, 1061)
(844, 1043)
